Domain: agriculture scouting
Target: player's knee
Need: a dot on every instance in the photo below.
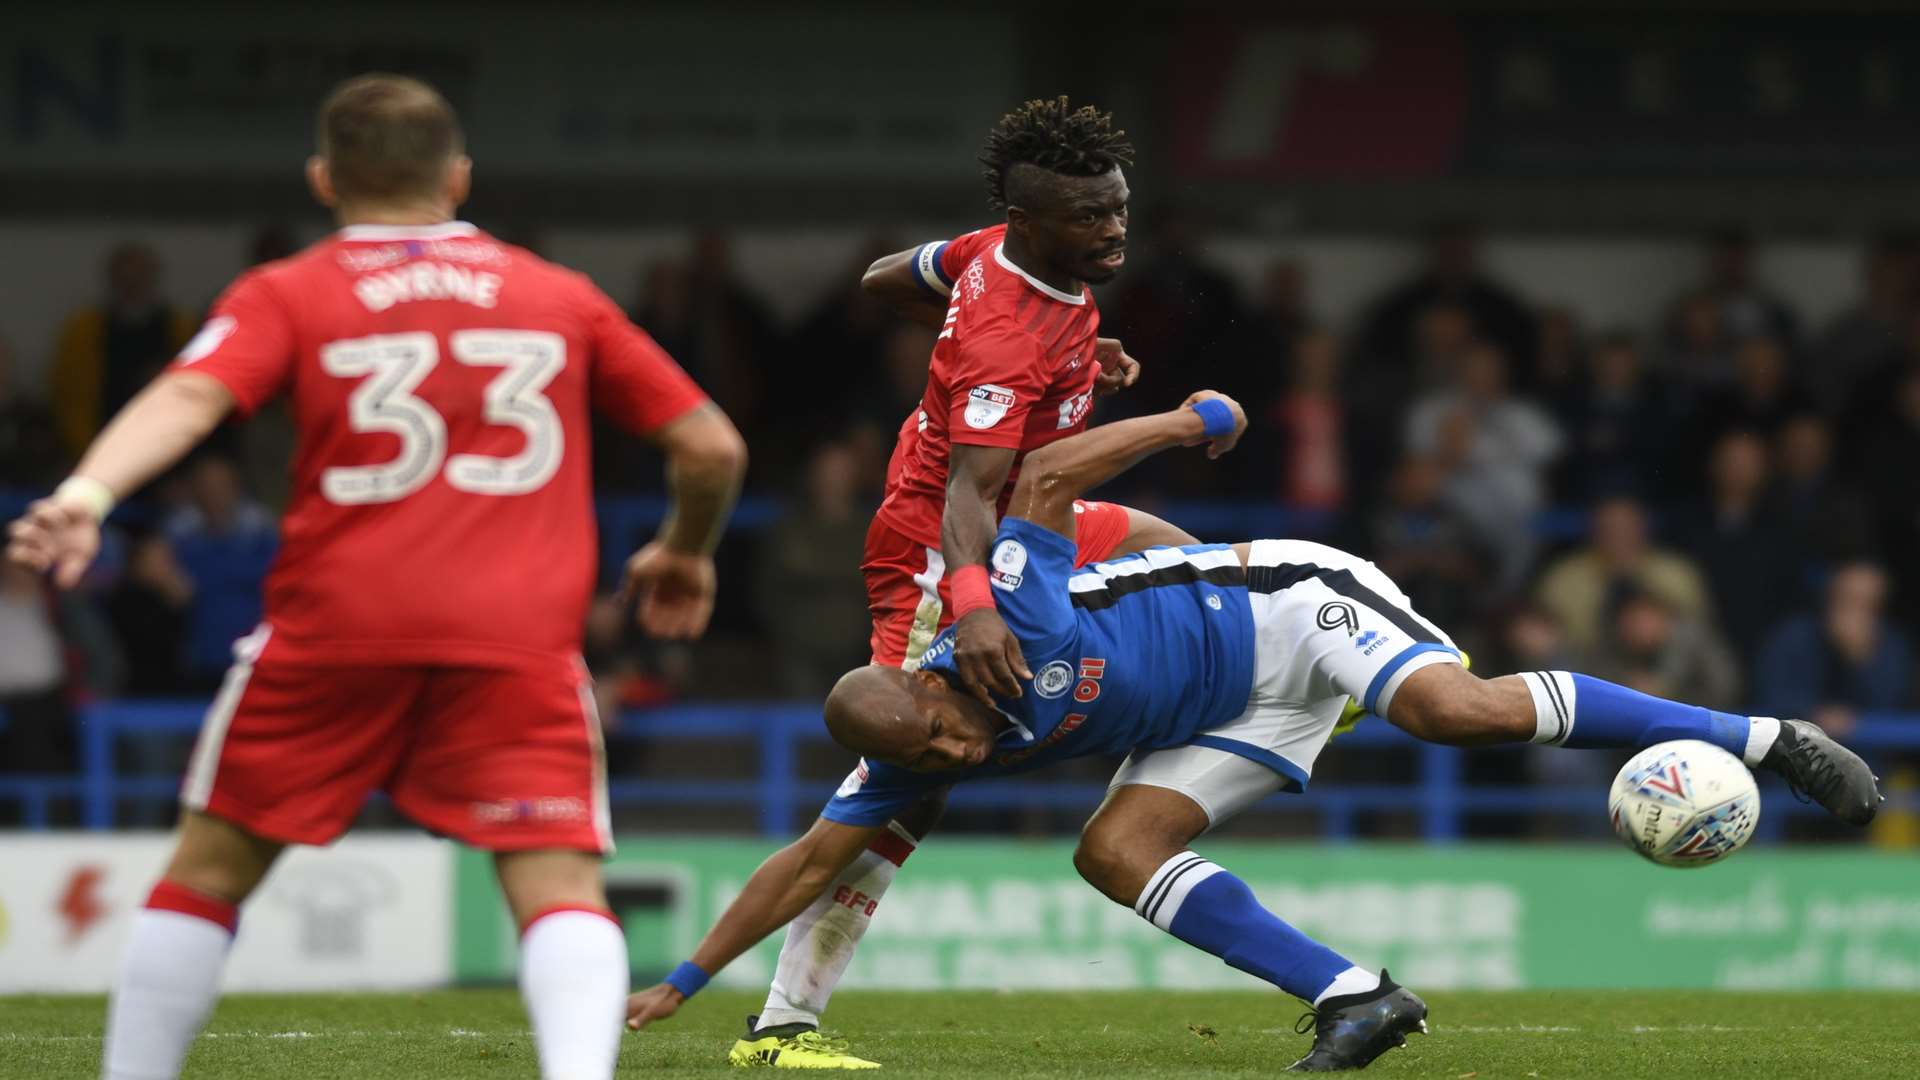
(534, 881)
(1117, 858)
(222, 881)
(220, 859)
(1101, 860)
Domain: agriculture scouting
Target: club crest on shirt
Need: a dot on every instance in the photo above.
(987, 405)
(1052, 681)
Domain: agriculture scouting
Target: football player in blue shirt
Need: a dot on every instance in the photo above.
(1221, 670)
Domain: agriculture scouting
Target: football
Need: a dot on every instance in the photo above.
(1684, 803)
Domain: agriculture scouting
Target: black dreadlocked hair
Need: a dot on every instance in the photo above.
(1053, 136)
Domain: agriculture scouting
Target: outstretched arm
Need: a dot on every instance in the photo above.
(156, 429)
(781, 889)
(1058, 473)
(1145, 531)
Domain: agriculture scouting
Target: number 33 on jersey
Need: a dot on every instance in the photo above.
(442, 384)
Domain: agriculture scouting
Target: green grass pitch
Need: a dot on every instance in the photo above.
(481, 1033)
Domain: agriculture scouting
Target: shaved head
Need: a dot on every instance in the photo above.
(871, 712)
(916, 720)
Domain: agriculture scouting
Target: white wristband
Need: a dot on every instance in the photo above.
(88, 492)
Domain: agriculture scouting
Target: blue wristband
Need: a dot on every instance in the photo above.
(1216, 415)
(687, 978)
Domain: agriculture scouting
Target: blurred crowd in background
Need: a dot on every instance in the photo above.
(1712, 504)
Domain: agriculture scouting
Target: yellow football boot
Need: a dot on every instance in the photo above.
(793, 1047)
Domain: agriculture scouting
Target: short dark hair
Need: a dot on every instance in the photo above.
(1050, 134)
(387, 137)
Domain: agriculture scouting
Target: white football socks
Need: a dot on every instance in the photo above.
(1354, 980)
(1553, 698)
(168, 985)
(1760, 739)
(821, 941)
(573, 980)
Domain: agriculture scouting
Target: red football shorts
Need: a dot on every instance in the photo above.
(503, 760)
(907, 590)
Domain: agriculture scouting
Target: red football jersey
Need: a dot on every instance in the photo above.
(1013, 367)
(442, 508)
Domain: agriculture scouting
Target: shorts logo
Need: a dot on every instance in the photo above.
(540, 808)
(1009, 562)
(1213, 601)
(210, 337)
(1338, 615)
(1053, 679)
(987, 405)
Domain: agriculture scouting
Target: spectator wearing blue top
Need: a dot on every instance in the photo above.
(225, 542)
(1845, 661)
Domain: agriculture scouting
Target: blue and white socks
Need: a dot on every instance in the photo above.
(1206, 907)
(1583, 712)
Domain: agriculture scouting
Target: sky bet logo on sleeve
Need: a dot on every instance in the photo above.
(987, 405)
(1009, 562)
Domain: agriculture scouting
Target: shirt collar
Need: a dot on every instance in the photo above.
(446, 230)
(1000, 256)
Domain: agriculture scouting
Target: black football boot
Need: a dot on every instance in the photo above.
(1351, 1030)
(1820, 770)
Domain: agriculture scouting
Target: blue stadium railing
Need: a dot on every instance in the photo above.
(783, 800)
(627, 521)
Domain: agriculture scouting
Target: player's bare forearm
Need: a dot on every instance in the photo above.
(706, 460)
(783, 887)
(985, 653)
(1053, 476)
(894, 280)
(1145, 531)
(155, 430)
(975, 477)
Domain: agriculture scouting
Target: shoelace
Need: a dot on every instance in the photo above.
(821, 1041)
(1306, 1022)
(1822, 774)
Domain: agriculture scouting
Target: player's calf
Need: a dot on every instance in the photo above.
(573, 959)
(1446, 703)
(178, 947)
(1134, 850)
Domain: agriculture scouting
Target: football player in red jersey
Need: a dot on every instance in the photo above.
(1016, 366)
(424, 618)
